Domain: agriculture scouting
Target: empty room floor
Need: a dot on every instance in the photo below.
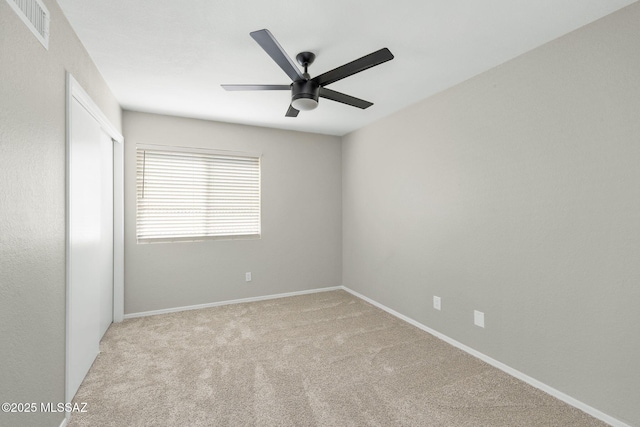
(323, 359)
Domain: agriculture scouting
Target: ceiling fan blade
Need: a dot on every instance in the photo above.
(256, 87)
(270, 45)
(353, 67)
(292, 112)
(345, 99)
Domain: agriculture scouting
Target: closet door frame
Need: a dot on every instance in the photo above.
(75, 93)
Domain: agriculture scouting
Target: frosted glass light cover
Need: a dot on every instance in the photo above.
(304, 104)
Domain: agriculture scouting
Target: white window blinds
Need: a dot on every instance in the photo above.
(193, 196)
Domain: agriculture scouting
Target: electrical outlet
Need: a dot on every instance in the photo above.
(436, 302)
(247, 276)
(478, 318)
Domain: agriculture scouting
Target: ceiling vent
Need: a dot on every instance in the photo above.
(36, 16)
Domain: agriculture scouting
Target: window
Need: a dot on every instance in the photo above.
(196, 194)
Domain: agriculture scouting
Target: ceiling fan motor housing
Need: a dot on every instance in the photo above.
(304, 94)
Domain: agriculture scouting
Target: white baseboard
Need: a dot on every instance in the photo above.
(509, 370)
(235, 301)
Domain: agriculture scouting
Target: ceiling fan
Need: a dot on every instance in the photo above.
(305, 90)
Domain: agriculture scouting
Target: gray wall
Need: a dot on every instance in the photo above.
(32, 206)
(301, 242)
(516, 193)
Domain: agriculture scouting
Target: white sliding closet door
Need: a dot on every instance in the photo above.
(90, 245)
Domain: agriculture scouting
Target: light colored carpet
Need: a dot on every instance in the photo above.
(325, 359)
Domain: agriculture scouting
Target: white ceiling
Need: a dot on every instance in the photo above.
(171, 56)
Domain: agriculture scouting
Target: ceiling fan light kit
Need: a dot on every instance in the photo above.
(306, 91)
(304, 95)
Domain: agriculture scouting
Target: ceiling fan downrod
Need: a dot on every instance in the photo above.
(305, 59)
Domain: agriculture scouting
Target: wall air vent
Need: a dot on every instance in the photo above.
(36, 16)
